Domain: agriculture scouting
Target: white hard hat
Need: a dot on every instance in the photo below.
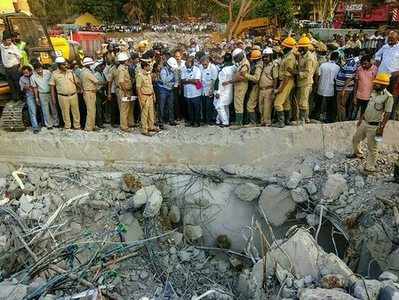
(267, 51)
(60, 60)
(122, 56)
(172, 63)
(236, 52)
(87, 61)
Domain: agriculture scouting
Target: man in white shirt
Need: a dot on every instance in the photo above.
(328, 72)
(209, 74)
(11, 60)
(192, 89)
(388, 56)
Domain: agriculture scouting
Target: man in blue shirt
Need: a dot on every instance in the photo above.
(166, 84)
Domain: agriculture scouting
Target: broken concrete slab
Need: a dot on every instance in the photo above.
(318, 294)
(174, 214)
(151, 197)
(193, 232)
(367, 289)
(276, 203)
(334, 187)
(299, 195)
(134, 232)
(12, 291)
(294, 180)
(247, 191)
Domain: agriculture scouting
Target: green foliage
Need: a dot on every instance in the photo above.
(108, 11)
(282, 9)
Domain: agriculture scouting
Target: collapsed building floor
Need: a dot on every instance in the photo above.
(313, 227)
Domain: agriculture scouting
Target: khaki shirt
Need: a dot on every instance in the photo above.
(288, 66)
(243, 68)
(123, 80)
(144, 83)
(256, 76)
(89, 80)
(306, 68)
(65, 83)
(379, 104)
(268, 76)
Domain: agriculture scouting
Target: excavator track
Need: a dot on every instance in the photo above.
(12, 116)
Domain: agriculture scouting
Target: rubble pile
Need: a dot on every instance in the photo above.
(322, 230)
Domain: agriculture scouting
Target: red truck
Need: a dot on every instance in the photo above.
(365, 15)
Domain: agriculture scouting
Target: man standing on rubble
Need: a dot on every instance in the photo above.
(124, 90)
(253, 77)
(306, 68)
(240, 84)
(287, 73)
(372, 122)
(65, 84)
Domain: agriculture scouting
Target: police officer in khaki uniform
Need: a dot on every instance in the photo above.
(146, 95)
(267, 84)
(65, 85)
(287, 73)
(307, 66)
(89, 86)
(371, 124)
(253, 77)
(240, 84)
(124, 90)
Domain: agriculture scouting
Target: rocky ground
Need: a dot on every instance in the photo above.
(323, 230)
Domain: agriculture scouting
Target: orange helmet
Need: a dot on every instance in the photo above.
(289, 42)
(255, 54)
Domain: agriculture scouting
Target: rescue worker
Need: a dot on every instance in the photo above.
(253, 77)
(307, 66)
(65, 84)
(372, 122)
(267, 84)
(240, 84)
(124, 90)
(89, 86)
(146, 95)
(287, 73)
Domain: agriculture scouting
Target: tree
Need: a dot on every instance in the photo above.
(282, 10)
(237, 10)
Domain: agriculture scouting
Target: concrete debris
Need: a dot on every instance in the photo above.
(131, 183)
(151, 197)
(12, 291)
(250, 283)
(359, 182)
(367, 289)
(389, 293)
(299, 195)
(311, 188)
(318, 294)
(333, 281)
(294, 180)
(329, 155)
(247, 191)
(276, 203)
(193, 232)
(174, 214)
(312, 220)
(134, 232)
(388, 276)
(334, 187)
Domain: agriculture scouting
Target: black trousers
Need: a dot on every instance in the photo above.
(13, 76)
(208, 110)
(100, 108)
(194, 110)
(325, 106)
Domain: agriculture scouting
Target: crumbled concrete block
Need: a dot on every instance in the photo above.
(333, 281)
(318, 294)
(311, 188)
(299, 195)
(276, 202)
(193, 232)
(373, 289)
(174, 214)
(247, 191)
(134, 232)
(151, 197)
(294, 180)
(388, 276)
(335, 186)
(359, 182)
(12, 291)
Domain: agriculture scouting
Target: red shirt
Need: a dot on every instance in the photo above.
(365, 82)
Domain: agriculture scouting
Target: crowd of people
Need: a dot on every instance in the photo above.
(237, 83)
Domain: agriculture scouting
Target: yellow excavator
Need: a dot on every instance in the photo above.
(15, 17)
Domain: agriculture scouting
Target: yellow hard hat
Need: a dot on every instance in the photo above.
(143, 44)
(255, 54)
(382, 78)
(289, 42)
(304, 41)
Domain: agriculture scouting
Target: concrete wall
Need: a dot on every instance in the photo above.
(181, 147)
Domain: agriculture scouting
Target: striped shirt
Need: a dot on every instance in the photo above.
(348, 71)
